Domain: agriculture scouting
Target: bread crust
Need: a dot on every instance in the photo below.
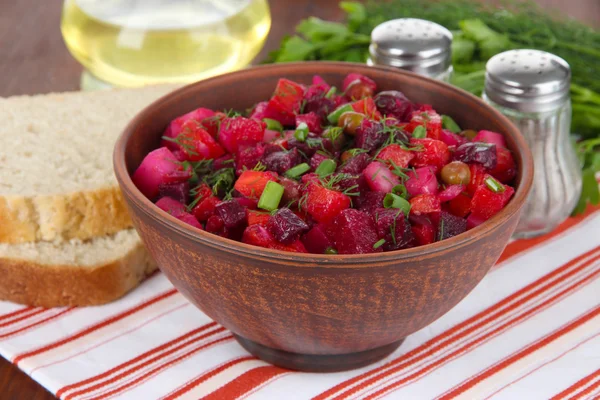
(80, 215)
(34, 284)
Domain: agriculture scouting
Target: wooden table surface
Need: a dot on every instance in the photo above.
(33, 59)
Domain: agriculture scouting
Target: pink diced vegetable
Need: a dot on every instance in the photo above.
(490, 137)
(451, 138)
(158, 167)
(380, 178)
(451, 192)
(174, 128)
(421, 181)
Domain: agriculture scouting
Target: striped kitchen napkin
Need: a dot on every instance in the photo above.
(530, 330)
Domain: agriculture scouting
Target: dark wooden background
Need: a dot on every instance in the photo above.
(33, 59)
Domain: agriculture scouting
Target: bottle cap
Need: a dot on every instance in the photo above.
(412, 44)
(528, 80)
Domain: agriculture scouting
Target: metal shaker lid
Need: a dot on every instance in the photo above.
(528, 80)
(413, 44)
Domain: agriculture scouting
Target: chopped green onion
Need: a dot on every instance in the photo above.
(335, 115)
(494, 185)
(400, 190)
(379, 243)
(301, 132)
(331, 92)
(271, 196)
(330, 250)
(326, 167)
(420, 132)
(273, 124)
(297, 171)
(450, 124)
(394, 201)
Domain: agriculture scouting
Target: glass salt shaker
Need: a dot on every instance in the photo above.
(531, 88)
(415, 45)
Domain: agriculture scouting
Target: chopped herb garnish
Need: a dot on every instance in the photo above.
(185, 142)
(301, 133)
(400, 190)
(449, 124)
(379, 243)
(392, 200)
(419, 133)
(337, 113)
(331, 92)
(494, 185)
(273, 124)
(271, 196)
(326, 167)
(297, 171)
(330, 250)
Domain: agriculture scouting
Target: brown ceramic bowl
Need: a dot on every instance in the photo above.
(306, 311)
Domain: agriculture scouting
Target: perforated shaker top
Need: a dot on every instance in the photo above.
(413, 44)
(528, 80)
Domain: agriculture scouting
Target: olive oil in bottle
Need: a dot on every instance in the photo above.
(139, 42)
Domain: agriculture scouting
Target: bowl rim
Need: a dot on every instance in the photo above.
(525, 177)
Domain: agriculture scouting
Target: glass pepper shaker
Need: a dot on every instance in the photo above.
(415, 45)
(532, 89)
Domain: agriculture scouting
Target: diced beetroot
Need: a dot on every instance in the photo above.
(356, 184)
(232, 213)
(252, 183)
(423, 229)
(324, 204)
(421, 181)
(392, 103)
(180, 155)
(211, 124)
(309, 178)
(474, 220)
(286, 100)
(428, 119)
(371, 202)
(196, 143)
(319, 104)
(425, 204)
(396, 156)
(311, 120)
(239, 132)
(226, 161)
(477, 153)
(367, 107)
(291, 190)
(477, 175)
(357, 86)
(355, 233)
(281, 161)
(486, 203)
(319, 82)
(450, 225)
(451, 138)
(158, 167)
(451, 192)
(271, 135)
(317, 159)
(506, 168)
(316, 240)
(179, 191)
(190, 220)
(254, 217)
(434, 153)
(258, 235)
(260, 111)
(248, 158)
(175, 127)
(171, 206)
(285, 226)
(205, 208)
(245, 202)
(380, 178)
(215, 225)
(490, 137)
(394, 228)
(356, 164)
(460, 205)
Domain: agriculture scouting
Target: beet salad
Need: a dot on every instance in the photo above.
(326, 170)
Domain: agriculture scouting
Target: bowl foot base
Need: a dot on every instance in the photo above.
(317, 362)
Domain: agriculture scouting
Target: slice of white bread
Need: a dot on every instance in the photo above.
(74, 273)
(56, 175)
